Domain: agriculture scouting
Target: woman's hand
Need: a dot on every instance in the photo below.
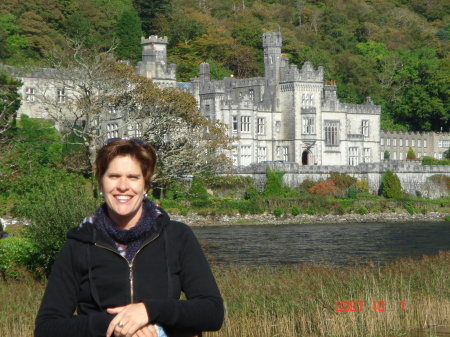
(128, 321)
(146, 331)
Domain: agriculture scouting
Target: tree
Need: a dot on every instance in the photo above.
(390, 185)
(386, 155)
(9, 101)
(129, 33)
(411, 155)
(149, 10)
(274, 183)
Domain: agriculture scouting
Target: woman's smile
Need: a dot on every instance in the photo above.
(123, 187)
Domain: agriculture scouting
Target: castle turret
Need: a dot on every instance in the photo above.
(272, 56)
(154, 62)
(205, 73)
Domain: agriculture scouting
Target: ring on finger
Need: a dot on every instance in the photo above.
(120, 325)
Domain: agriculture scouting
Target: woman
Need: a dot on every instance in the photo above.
(123, 269)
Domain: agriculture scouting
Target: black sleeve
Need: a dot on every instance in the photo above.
(203, 309)
(56, 317)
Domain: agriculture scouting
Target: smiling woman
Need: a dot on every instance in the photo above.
(123, 268)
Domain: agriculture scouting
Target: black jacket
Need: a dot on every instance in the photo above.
(89, 276)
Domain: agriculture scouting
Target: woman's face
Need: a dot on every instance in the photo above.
(123, 187)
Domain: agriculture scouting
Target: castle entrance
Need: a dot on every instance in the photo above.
(306, 157)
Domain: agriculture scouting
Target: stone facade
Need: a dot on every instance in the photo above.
(431, 144)
(289, 115)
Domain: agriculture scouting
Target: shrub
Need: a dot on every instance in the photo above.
(251, 193)
(198, 189)
(62, 202)
(362, 185)
(277, 212)
(295, 211)
(326, 187)
(274, 183)
(306, 184)
(351, 192)
(390, 185)
(411, 155)
(14, 256)
(362, 210)
(386, 155)
(342, 181)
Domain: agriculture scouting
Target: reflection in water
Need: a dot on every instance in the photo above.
(337, 244)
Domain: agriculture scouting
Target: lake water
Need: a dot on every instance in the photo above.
(337, 244)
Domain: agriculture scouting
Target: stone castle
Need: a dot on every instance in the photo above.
(290, 115)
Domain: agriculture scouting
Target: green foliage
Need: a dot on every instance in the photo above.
(426, 160)
(386, 155)
(351, 192)
(277, 212)
(390, 185)
(9, 101)
(362, 185)
(129, 33)
(60, 201)
(295, 211)
(15, 255)
(411, 155)
(198, 189)
(251, 193)
(274, 183)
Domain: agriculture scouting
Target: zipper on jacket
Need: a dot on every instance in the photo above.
(130, 264)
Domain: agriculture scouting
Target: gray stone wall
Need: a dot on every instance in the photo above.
(413, 176)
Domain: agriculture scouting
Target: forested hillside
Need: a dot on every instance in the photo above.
(395, 51)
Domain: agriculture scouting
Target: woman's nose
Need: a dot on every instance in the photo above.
(122, 185)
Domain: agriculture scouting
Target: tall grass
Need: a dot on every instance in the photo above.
(298, 300)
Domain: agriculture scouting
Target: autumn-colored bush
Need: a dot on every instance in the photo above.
(327, 187)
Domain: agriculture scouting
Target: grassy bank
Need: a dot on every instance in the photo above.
(299, 300)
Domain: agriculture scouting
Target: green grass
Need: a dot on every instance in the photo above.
(298, 300)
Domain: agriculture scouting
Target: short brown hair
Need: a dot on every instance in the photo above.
(144, 153)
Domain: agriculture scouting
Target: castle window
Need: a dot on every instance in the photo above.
(61, 95)
(285, 153)
(307, 100)
(30, 94)
(413, 142)
(382, 141)
(418, 142)
(367, 155)
(308, 126)
(353, 156)
(406, 142)
(207, 108)
(388, 142)
(424, 143)
(113, 130)
(112, 108)
(277, 126)
(234, 155)
(365, 127)
(245, 124)
(261, 126)
(401, 156)
(235, 124)
(444, 143)
(262, 154)
(246, 155)
(400, 141)
(394, 142)
(395, 156)
(251, 94)
(331, 132)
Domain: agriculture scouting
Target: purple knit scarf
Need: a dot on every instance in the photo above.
(131, 237)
